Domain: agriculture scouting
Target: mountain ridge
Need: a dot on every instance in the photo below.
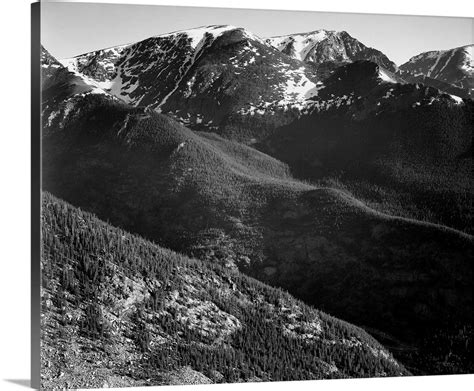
(321, 46)
(453, 66)
(218, 72)
(182, 74)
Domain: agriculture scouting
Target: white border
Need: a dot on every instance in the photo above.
(15, 195)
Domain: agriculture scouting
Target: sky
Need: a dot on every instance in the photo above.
(69, 29)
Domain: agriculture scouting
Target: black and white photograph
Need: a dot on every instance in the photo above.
(235, 195)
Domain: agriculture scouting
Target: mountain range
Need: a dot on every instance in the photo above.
(184, 65)
(309, 162)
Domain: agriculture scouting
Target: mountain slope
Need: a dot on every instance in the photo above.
(454, 67)
(323, 46)
(49, 65)
(404, 148)
(54, 73)
(129, 313)
(435, 83)
(200, 76)
(230, 204)
(61, 89)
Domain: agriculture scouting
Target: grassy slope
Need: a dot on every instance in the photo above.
(127, 312)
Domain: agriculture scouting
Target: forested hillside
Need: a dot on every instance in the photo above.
(218, 200)
(404, 149)
(119, 310)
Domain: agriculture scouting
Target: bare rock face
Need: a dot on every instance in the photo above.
(186, 375)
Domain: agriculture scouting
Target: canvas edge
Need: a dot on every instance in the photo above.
(35, 195)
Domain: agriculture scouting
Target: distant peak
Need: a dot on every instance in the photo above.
(197, 33)
(213, 29)
(305, 33)
(436, 53)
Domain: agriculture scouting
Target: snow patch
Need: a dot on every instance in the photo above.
(385, 76)
(198, 34)
(301, 44)
(456, 99)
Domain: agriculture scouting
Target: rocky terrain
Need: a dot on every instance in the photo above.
(120, 311)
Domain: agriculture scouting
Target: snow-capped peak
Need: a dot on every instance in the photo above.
(198, 33)
(452, 66)
(323, 46)
(300, 43)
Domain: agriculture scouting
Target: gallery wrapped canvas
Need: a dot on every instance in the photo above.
(225, 195)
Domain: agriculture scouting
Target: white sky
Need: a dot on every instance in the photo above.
(69, 29)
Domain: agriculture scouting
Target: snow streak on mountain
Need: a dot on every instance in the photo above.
(453, 66)
(177, 64)
(202, 75)
(322, 46)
